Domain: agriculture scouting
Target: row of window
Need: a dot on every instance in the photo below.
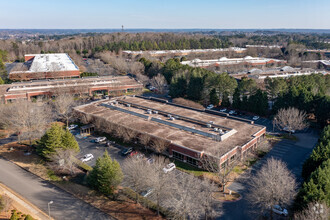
(189, 160)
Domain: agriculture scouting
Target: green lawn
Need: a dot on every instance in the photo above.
(189, 169)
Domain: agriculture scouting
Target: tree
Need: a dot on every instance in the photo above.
(290, 119)
(258, 103)
(136, 169)
(159, 145)
(159, 83)
(106, 175)
(247, 86)
(56, 138)
(5, 203)
(222, 171)
(226, 84)
(272, 185)
(275, 86)
(214, 99)
(64, 160)
(195, 86)
(63, 106)
(317, 186)
(315, 211)
(1, 81)
(28, 119)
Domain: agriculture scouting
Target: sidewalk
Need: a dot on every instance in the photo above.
(22, 205)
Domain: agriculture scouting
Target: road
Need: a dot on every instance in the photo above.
(39, 192)
(292, 153)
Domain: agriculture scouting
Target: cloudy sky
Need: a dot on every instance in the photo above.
(171, 14)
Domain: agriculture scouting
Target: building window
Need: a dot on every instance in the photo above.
(178, 156)
(192, 161)
(232, 158)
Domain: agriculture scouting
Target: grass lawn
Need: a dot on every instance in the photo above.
(190, 169)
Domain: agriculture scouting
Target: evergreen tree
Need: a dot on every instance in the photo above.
(50, 141)
(54, 138)
(69, 141)
(317, 188)
(237, 103)
(195, 87)
(225, 100)
(106, 175)
(214, 99)
(1, 81)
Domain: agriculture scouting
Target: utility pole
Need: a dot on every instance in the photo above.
(122, 28)
(51, 202)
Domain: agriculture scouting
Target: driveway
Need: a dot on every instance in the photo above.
(292, 153)
(39, 192)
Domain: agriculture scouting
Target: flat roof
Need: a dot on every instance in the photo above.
(53, 62)
(136, 117)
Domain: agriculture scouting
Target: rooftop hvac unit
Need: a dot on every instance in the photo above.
(169, 116)
(128, 105)
(211, 122)
(156, 112)
(215, 129)
(220, 130)
(176, 117)
(208, 125)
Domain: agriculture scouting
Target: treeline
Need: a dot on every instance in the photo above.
(316, 173)
(308, 93)
(168, 44)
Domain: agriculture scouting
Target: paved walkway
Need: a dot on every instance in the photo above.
(39, 192)
(292, 153)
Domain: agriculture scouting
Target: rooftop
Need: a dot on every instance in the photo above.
(188, 128)
(54, 62)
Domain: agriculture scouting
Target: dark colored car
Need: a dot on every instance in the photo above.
(126, 151)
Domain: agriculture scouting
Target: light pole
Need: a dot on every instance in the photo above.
(50, 202)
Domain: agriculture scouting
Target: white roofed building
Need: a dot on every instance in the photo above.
(47, 66)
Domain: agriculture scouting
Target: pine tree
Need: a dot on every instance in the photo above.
(50, 141)
(214, 99)
(69, 141)
(106, 175)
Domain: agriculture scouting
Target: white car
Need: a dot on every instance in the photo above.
(100, 139)
(255, 118)
(223, 110)
(279, 210)
(288, 130)
(231, 112)
(209, 106)
(71, 127)
(87, 157)
(169, 167)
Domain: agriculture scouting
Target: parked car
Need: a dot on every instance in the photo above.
(255, 118)
(169, 167)
(126, 151)
(279, 210)
(87, 157)
(147, 192)
(133, 153)
(72, 127)
(100, 139)
(232, 112)
(223, 110)
(286, 129)
(209, 106)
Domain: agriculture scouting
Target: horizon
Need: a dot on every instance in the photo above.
(146, 14)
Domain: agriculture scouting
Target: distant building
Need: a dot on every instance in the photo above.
(248, 60)
(183, 52)
(47, 66)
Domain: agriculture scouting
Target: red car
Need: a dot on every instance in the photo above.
(133, 153)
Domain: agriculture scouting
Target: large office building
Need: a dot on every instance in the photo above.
(47, 66)
(189, 134)
(112, 85)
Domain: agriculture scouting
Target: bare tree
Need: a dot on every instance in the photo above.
(144, 139)
(192, 198)
(159, 82)
(63, 106)
(212, 164)
(159, 181)
(290, 119)
(135, 170)
(315, 211)
(63, 160)
(159, 145)
(29, 120)
(272, 185)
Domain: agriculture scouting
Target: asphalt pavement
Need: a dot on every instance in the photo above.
(293, 153)
(39, 192)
